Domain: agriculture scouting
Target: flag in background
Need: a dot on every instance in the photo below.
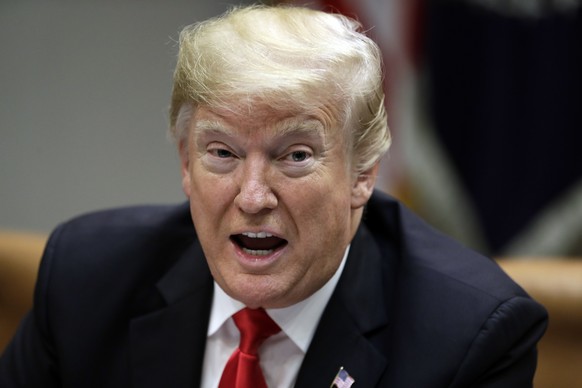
(503, 97)
(483, 98)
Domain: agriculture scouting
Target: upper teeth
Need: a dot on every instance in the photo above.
(257, 235)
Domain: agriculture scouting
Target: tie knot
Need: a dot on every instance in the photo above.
(255, 327)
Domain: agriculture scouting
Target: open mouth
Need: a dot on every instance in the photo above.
(258, 244)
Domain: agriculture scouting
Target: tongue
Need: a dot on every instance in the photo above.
(260, 243)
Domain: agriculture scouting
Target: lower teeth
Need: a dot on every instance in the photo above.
(257, 252)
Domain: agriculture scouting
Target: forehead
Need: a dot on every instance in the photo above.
(261, 118)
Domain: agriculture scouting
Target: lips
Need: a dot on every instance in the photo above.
(258, 244)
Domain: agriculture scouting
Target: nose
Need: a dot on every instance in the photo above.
(255, 193)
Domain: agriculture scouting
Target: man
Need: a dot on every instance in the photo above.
(279, 118)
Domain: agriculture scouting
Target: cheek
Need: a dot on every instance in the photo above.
(205, 184)
(327, 193)
(322, 211)
(210, 196)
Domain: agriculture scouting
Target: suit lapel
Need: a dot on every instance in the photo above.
(167, 345)
(353, 331)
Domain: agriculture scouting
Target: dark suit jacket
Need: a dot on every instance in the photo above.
(123, 300)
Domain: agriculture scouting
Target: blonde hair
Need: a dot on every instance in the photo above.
(289, 57)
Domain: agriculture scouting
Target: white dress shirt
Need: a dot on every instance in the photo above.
(280, 355)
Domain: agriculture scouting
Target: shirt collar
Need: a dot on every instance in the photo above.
(298, 321)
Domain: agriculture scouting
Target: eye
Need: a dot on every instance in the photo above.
(299, 156)
(221, 153)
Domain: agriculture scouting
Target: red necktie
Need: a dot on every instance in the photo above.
(242, 369)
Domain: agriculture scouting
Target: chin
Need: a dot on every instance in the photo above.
(258, 291)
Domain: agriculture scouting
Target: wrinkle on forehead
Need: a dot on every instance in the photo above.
(321, 106)
(260, 119)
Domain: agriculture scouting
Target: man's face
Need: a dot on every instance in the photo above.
(273, 201)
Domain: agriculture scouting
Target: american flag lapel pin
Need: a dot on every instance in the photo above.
(342, 379)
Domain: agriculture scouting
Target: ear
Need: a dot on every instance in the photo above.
(364, 186)
(185, 166)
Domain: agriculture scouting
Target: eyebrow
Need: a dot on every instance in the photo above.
(284, 128)
(211, 126)
(297, 126)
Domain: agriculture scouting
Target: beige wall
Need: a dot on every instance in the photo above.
(84, 89)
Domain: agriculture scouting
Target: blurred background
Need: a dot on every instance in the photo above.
(484, 102)
(84, 91)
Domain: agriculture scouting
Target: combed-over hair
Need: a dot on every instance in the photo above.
(289, 57)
